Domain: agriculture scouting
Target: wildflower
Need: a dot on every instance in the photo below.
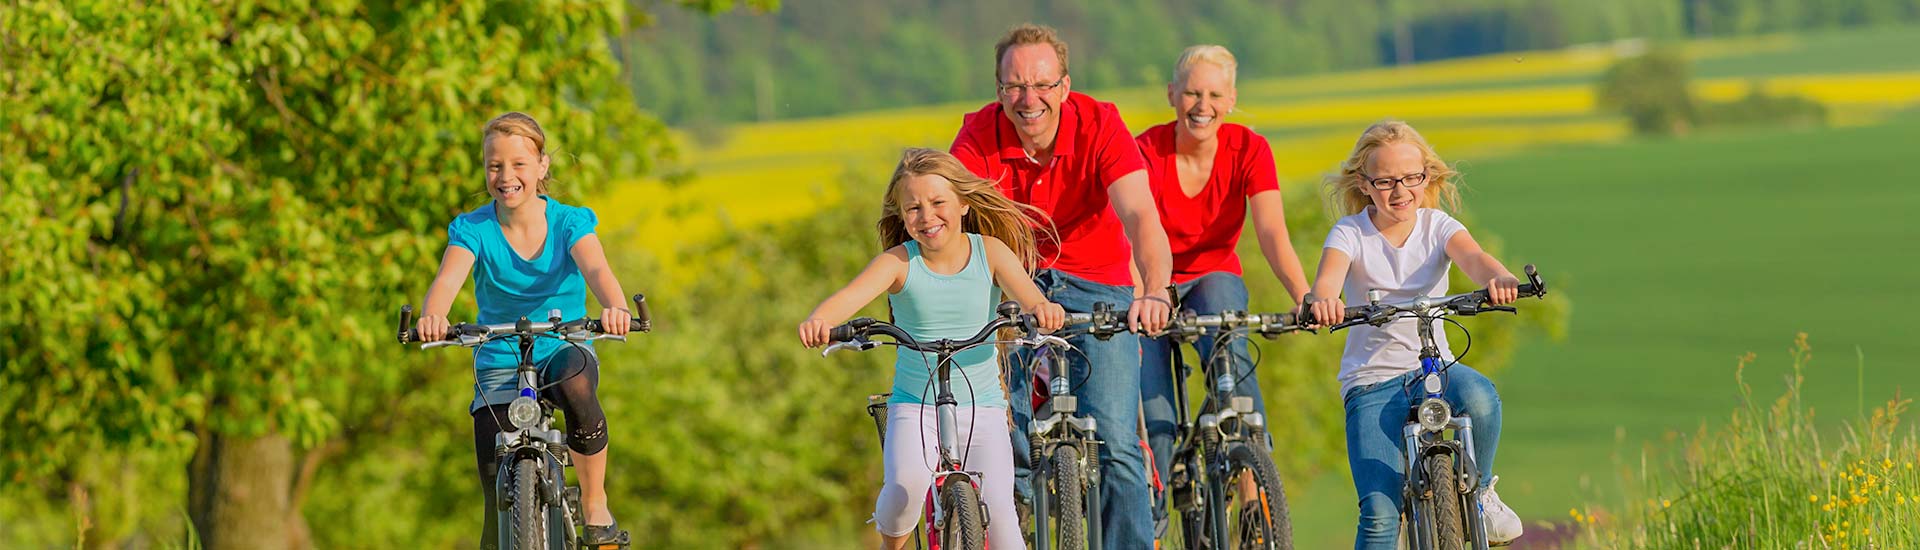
(1813, 498)
(1664, 503)
(1886, 464)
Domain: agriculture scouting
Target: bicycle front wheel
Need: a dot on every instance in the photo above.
(1442, 523)
(964, 526)
(1069, 490)
(1256, 519)
(528, 518)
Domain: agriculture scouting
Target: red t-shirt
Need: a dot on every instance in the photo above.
(1203, 229)
(1092, 149)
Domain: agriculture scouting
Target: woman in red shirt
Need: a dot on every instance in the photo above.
(1207, 175)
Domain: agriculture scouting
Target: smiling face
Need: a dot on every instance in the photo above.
(1400, 161)
(515, 169)
(931, 211)
(1199, 99)
(1025, 73)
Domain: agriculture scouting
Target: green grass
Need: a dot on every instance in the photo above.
(1680, 256)
(1837, 51)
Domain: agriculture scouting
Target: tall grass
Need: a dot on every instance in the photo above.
(1771, 479)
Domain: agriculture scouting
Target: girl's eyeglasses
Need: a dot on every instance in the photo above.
(1409, 181)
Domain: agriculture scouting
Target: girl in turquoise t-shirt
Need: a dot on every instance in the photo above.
(530, 254)
(949, 237)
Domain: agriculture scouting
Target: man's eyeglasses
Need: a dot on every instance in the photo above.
(1010, 89)
(1410, 181)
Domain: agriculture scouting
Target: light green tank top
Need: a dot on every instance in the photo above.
(931, 306)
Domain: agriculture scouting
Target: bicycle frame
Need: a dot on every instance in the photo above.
(1224, 417)
(1425, 439)
(532, 438)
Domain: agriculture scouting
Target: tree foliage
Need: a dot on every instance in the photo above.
(213, 209)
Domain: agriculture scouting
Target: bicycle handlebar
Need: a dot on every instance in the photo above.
(472, 334)
(853, 334)
(1465, 304)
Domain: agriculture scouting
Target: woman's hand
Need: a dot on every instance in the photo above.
(616, 320)
(433, 328)
(815, 332)
(1503, 290)
(1051, 316)
(1330, 311)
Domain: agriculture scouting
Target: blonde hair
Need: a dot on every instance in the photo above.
(1348, 193)
(1029, 33)
(520, 124)
(992, 214)
(1206, 53)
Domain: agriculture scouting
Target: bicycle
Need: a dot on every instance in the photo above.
(955, 514)
(1441, 481)
(534, 500)
(1228, 442)
(1064, 444)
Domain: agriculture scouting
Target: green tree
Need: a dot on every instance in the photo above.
(1651, 90)
(212, 210)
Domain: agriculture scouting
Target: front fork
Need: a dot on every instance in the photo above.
(1421, 446)
(1062, 427)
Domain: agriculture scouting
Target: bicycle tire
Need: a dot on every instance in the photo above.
(1263, 521)
(965, 525)
(1069, 489)
(1444, 500)
(528, 517)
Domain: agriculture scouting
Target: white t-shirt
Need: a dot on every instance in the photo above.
(1417, 268)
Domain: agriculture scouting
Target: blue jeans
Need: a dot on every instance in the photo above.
(1210, 294)
(1376, 451)
(1111, 396)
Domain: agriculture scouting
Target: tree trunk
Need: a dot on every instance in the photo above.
(239, 496)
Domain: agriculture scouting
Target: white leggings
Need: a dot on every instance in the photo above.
(913, 449)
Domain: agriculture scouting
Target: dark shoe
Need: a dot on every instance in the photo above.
(605, 537)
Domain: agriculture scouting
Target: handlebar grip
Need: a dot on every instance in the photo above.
(642, 315)
(407, 333)
(849, 330)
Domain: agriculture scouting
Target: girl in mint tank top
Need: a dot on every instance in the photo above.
(949, 238)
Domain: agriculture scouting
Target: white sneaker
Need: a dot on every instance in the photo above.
(1503, 526)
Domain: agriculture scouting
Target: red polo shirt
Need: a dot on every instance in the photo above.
(1090, 152)
(1203, 229)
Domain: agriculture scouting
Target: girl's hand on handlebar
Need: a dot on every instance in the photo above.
(615, 320)
(433, 328)
(1330, 311)
(1051, 316)
(1503, 290)
(815, 332)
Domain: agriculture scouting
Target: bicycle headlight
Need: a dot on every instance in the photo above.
(1434, 414)
(523, 412)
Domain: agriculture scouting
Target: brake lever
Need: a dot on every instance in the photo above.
(855, 344)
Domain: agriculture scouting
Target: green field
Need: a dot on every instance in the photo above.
(1681, 255)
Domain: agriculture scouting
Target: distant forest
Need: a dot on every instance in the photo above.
(821, 57)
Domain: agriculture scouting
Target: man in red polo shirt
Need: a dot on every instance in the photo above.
(1072, 157)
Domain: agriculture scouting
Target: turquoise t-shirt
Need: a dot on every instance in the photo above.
(508, 287)
(931, 306)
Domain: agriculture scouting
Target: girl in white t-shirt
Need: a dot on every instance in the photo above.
(1395, 239)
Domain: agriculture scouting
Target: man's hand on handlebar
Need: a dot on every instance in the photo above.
(1149, 313)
